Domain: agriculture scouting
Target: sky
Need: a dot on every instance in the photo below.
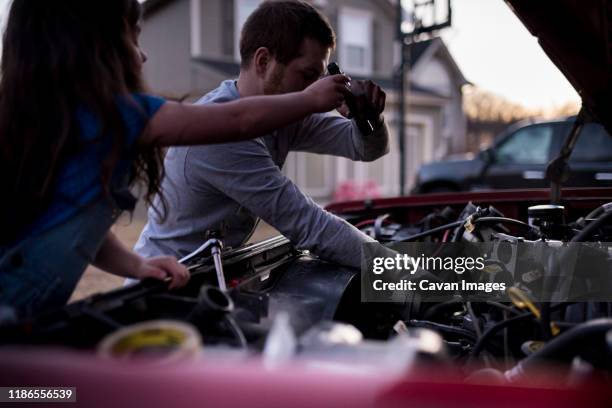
(497, 53)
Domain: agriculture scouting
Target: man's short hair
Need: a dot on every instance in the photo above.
(281, 27)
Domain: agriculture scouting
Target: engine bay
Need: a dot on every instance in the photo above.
(286, 305)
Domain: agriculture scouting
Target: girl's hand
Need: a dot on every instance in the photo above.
(327, 93)
(163, 268)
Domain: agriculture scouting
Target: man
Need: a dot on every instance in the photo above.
(284, 47)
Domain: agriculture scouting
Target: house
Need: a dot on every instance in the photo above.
(193, 45)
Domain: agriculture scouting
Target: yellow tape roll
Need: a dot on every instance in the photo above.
(157, 341)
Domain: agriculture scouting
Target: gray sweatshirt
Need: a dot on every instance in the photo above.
(234, 184)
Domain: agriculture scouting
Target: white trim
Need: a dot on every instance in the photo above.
(300, 171)
(360, 13)
(290, 166)
(426, 123)
(341, 170)
(195, 14)
(302, 176)
(296, 169)
(390, 169)
(239, 21)
(361, 171)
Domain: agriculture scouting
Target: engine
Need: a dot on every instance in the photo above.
(283, 304)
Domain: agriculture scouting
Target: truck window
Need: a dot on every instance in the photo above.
(529, 145)
(593, 145)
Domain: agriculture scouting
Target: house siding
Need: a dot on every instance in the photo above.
(212, 40)
(383, 33)
(165, 38)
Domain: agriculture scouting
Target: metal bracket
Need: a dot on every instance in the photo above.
(558, 170)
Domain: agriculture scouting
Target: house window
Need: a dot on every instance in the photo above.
(242, 10)
(355, 28)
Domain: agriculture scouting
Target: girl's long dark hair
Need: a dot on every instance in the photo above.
(58, 55)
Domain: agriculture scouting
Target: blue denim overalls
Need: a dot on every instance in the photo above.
(41, 272)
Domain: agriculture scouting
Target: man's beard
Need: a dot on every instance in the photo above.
(274, 85)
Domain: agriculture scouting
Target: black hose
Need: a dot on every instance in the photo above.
(492, 220)
(444, 328)
(458, 233)
(378, 224)
(480, 344)
(567, 345)
(586, 337)
(474, 319)
(597, 212)
(545, 321)
(460, 223)
(236, 331)
(436, 308)
(592, 227)
(494, 329)
(433, 231)
(504, 220)
(502, 306)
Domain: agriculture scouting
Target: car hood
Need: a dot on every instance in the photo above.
(577, 37)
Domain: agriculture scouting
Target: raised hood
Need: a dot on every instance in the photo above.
(577, 36)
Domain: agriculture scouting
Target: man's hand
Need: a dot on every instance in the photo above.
(369, 100)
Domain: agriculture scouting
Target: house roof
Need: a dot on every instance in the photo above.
(417, 50)
(422, 51)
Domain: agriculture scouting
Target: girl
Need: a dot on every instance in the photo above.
(77, 129)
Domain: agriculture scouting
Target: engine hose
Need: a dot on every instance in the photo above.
(589, 336)
(460, 223)
(592, 227)
(482, 341)
(432, 312)
(236, 331)
(444, 328)
(212, 303)
(480, 344)
(378, 224)
(433, 231)
(503, 307)
(504, 220)
(458, 233)
(597, 212)
(547, 332)
(491, 220)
